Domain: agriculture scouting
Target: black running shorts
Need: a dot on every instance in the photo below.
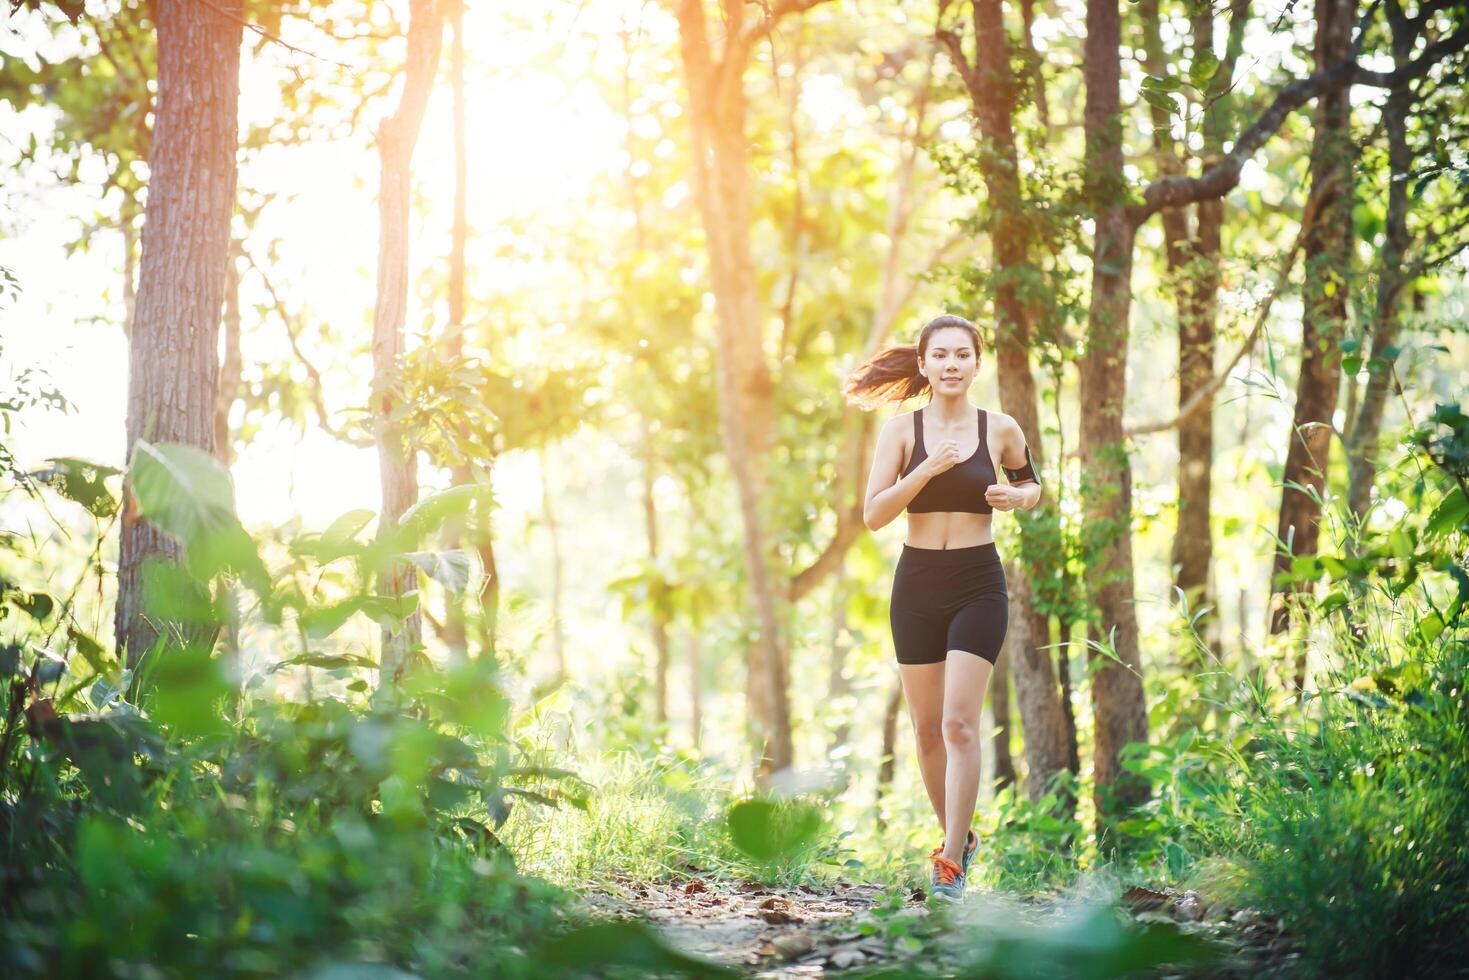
(948, 599)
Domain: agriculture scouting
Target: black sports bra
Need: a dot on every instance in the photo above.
(959, 488)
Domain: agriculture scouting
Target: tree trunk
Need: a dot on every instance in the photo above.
(839, 685)
(231, 365)
(558, 633)
(1000, 710)
(1328, 257)
(696, 684)
(658, 610)
(721, 171)
(1119, 707)
(455, 631)
(887, 756)
(173, 358)
(1392, 278)
(397, 462)
(1191, 541)
(992, 86)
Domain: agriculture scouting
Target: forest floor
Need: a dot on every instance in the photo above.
(771, 932)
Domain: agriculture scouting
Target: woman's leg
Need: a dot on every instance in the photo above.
(923, 689)
(976, 634)
(967, 679)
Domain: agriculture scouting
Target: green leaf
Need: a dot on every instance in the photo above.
(593, 949)
(1160, 100)
(187, 493)
(1452, 514)
(186, 684)
(38, 605)
(337, 541)
(1430, 626)
(768, 831)
(325, 660)
(432, 511)
(1205, 65)
(322, 621)
(170, 593)
(83, 482)
(450, 568)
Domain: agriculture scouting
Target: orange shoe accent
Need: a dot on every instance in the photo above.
(947, 870)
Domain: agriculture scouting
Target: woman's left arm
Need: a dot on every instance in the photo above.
(1024, 491)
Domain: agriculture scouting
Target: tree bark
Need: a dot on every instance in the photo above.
(721, 171)
(657, 612)
(173, 357)
(397, 462)
(1328, 259)
(887, 756)
(992, 86)
(475, 534)
(1119, 707)
(1000, 709)
(839, 685)
(558, 633)
(1392, 279)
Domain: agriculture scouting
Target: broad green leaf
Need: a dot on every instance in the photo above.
(768, 831)
(432, 511)
(83, 482)
(1202, 69)
(170, 593)
(187, 493)
(450, 568)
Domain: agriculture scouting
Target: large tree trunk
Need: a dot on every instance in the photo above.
(658, 611)
(397, 462)
(1119, 707)
(1328, 257)
(992, 85)
(746, 393)
(173, 358)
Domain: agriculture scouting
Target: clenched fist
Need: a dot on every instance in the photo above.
(1001, 497)
(945, 457)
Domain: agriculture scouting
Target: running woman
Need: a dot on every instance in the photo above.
(949, 605)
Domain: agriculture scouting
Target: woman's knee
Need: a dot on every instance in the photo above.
(959, 732)
(930, 735)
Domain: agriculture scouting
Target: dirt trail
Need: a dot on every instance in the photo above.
(806, 932)
(768, 932)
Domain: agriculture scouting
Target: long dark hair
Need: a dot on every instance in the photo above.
(892, 374)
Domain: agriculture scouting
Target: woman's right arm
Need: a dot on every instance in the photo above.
(886, 494)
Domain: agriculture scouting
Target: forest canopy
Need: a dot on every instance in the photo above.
(444, 523)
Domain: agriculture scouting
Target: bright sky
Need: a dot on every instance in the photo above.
(531, 132)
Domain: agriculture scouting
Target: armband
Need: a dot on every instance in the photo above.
(1026, 473)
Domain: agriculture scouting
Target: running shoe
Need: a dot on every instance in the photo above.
(971, 845)
(949, 879)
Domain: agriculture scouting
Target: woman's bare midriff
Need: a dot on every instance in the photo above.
(949, 529)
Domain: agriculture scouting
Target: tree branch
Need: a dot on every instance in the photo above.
(1202, 396)
(316, 385)
(1221, 178)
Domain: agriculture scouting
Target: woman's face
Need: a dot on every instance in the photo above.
(950, 361)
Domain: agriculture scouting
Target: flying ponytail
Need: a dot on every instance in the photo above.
(892, 374)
